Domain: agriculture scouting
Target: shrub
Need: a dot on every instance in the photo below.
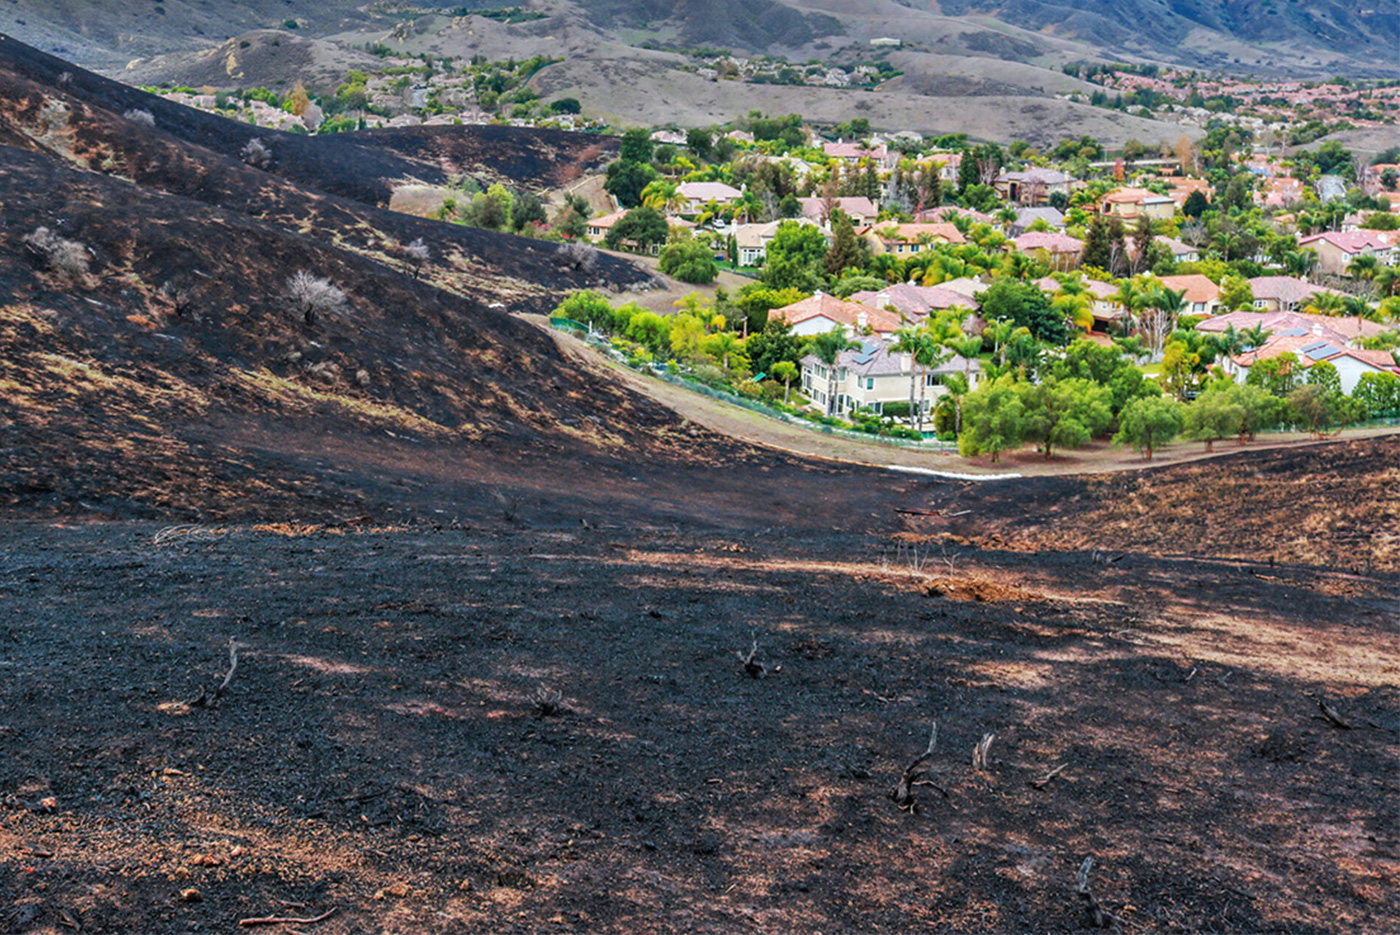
(257, 154)
(313, 296)
(67, 259)
(579, 256)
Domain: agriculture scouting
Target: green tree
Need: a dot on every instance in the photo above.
(1277, 375)
(640, 228)
(651, 331)
(993, 420)
(526, 209)
(626, 180)
(1148, 423)
(774, 344)
(689, 260)
(846, 250)
(1211, 417)
(1196, 204)
(586, 306)
(1324, 374)
(1025, 306)
(1317, 408)
(1259, 408)
(1236, 294)
(1064, 413)
(794, 256)
(1379, 393)
(700, 142)
(636, 146)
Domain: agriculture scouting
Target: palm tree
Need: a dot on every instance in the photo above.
(1357, 306)
(1387, 282)
(1074, 303)
(1163, 305)
(1226, 242)
(1006, 216)
(827, 348)
(1018, 265)
(1365, 266)
(908, 340)
(1255, 337)
(662, 195)
(725, 344)
(786, 371)
(930, 354)
(998, 332)
(960, 384)
(1229, 342)
(1133, 299)
(1300, 263)
(1325, 303)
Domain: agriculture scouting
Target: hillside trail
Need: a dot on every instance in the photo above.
(1099, 458)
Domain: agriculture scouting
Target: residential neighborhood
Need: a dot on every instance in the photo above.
(887, 295)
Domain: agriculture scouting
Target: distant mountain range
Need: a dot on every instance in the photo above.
(1194, 32)
(1317, 37)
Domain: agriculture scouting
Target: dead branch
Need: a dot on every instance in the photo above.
(209, 699)
(916, 775)
(754, 668)
(287, 920)
(980, 752)
(1099, 917)
(1330, 714)
(548, 702)
(1044, 781)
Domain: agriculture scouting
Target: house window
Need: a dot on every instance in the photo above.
(870, 383)
(842, 375)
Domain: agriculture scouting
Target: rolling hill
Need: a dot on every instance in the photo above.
(161, 371)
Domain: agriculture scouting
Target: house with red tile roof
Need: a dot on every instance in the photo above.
(699, 194)
(1056, 250)
(1202, 295)
(1282, 293)
(861, 211)
(1310, 350)
(1337, 249)
(914, 302)
(1131, 203)
(854, 153)
(819, 313)
(1343, 330)
(908, 239)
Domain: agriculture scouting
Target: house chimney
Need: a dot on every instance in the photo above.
(862, 320)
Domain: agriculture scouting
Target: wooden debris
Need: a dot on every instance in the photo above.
(1099, 917)
(916, 775)
(754, 668)
(1044, 781)
(287, 920)
(1330, 714)
(207, 699)
(981, 752)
